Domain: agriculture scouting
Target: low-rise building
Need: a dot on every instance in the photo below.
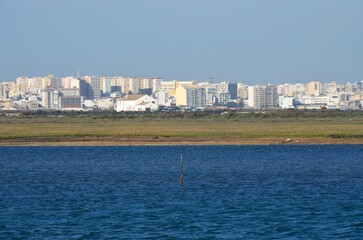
(71, 103)
(105, 104)
(136, 103)
(286, 102)
(32, 105)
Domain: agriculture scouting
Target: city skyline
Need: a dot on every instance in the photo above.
(209, 79)
(148, 94)
(253, 42)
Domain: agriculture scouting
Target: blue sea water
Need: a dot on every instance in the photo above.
(230, 192)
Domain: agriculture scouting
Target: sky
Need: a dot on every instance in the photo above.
(248, 41)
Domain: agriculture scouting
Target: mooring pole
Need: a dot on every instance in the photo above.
(181, 172)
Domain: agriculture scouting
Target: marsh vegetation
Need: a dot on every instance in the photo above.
(65, 126)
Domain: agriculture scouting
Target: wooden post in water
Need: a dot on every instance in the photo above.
(181, 172)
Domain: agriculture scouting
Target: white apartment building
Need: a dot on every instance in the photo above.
(150, 83)
(221, 98)
(162, 98)
(134, 85)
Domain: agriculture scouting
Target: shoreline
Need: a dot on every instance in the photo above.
(176, 141)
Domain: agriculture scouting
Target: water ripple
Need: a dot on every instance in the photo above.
(229, 192)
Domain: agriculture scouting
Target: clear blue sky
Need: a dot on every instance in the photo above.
(249, 41)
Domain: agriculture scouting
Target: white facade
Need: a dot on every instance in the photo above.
(162, 98)
(315, 100)
(286, 102)
(136, 103)
(105, 104)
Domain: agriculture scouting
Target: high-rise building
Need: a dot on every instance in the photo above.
(262, 97)
(70, 83)
(129, 85)
(35, 84)
(94, 84)
(150, 83)
(191, 97)
(46, 81)
(232, 89)
(85, 89)
(22, 84)
(329, 88)
(221, 98)
(271, 96)
(105, 86)
(314, 88)
(228, 87)
(210, 94)
(196, 97)
(222, 87)
(48, 98)
(7, 89)
(55, 82)
(296, 89)
(134, 85)
(181, 96)
(242, 91)
(116, 84)
(156, 84)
